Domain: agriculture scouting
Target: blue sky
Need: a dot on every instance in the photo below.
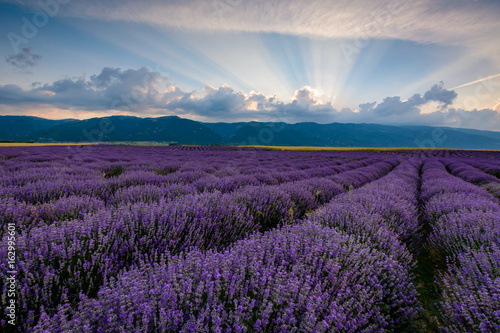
(389, 62)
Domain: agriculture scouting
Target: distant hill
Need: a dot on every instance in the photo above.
(184, 131)
(20, 128)
(124, 128)
(356, 135)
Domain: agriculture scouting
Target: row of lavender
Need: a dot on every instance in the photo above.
(63, 258)
(327, 273)
(465, 221)
(67, 183)
(480, 171)
(326, 253)
(384, 215)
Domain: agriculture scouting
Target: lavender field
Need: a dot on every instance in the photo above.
(221, 239)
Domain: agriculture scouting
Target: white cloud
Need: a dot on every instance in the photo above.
(497, 107)
(472, 23)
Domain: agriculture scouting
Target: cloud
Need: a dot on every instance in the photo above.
(473, 23)
(218, 102)
(24, 59)
(439, 94)
(394, 111)
(224, 104)
(106, 77)
(12, 94)
(497, 107)
(306, 95)
(391, 106)
(485, 119)
(113, 89)
(145, 92)
(394, 106)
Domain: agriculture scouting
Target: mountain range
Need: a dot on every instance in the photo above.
(176, 130)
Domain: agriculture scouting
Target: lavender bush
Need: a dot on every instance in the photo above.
(304, 278)
(192, 239)
(465, 221)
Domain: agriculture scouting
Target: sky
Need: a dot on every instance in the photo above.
(422, 62)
